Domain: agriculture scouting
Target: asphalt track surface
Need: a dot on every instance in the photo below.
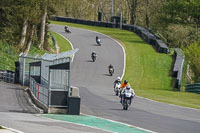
(96, 88)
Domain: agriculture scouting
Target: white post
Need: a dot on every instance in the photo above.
(24, 65)
(121, 21)
(112, 8)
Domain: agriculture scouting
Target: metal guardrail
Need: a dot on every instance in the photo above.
(7, 76)
(195, 87)
(178, 66)
(41, 92)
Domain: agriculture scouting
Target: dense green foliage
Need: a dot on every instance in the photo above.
(8, 55)
(192, 53)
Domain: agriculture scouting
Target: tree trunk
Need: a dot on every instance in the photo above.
(42, 28)
(30, 40)
(23, 35)
(132, 8)
(147, 14)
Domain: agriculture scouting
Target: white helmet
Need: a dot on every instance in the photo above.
(128, 87)
(118, 78)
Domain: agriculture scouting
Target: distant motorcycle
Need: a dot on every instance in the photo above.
(117, 89)
(127, 97)
(94, 56)
(98, 41)
(111, 71)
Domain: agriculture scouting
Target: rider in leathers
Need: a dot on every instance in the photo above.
(127, 89)
(118, 80)
(123, 86)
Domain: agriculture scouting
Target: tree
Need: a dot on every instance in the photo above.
(132, 6)
(30, 39)
(43, 23)
(193, 56)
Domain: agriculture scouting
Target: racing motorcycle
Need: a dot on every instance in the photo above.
(117, 89)
(94, 56)
(111, 71)
(127, 97)
(98, 41)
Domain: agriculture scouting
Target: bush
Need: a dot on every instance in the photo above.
(192, 53)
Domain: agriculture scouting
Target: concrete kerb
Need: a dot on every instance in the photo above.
(36, 101)
(42, 107)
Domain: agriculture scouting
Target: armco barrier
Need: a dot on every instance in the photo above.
(178, 66)
(195, 87)
(148, 37)
(7, 76)
(144, 33)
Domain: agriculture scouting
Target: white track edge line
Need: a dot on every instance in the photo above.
(14, 130)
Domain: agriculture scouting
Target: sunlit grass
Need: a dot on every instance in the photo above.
(61, 42)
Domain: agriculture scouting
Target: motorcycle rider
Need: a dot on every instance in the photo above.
(110, 67)
(98, 40)
(128, 89)
(93, 54)
(118, 80)
(123, 86)
(67, 28)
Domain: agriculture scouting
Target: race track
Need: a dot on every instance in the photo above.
(96, 88)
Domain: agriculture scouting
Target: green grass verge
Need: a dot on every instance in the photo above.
(147, 71)
(61, 42)
(1, 127)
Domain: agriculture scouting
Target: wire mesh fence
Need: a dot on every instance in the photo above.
(48, 76)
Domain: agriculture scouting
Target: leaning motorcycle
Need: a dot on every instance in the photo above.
(117, 89)
(67, 30)
(111, 71)
(127, 97)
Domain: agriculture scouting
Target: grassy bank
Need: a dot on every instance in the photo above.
(9, 54)
(61, 42)
(147, 71)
